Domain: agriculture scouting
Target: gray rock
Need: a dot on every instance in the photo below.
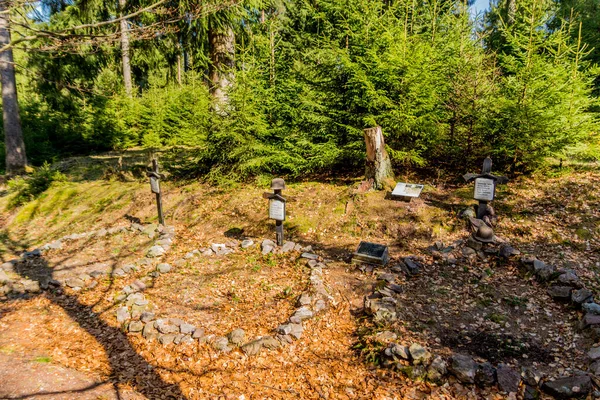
(507, 251)
(138, 285)
(178, 338)
(186, 340)
(118, 272)
(221, 344)
(595, 368)
(312, 263)
(252, 348)
(155, 251)
(485, 375)
(591, 308)
(309, 256)
(186, 328)
(531, 393)
(301, 314)
(400, 351)
(568, 387)
(180, 263)
(437, 369)
(208, 253)
(164, 327)
(31, 286)
(247, 243)
(320, 305)
(467, 213)
(191, 254)
(4, 277)
(176, 321)
(123, 314)
(474, 244)
(166, 339)
(270, 342)
(56, 245)
(75, 283)
(467, 251)
(560, 293)
(594, 353)
(267, 246)
(386, 336)
(569, 278)
(219, 249)
(287, 247)
(463, 367)
(304, 299)
(387, 277)
(581, 296)
(419, 354)
(163, 268)
(237, 337)
(508, 379)
(147, 316)
(294, 330)
(198, 333)
(413, 266)
(136, 326)
(143, 261)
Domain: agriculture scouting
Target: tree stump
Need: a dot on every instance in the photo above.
(378, 165)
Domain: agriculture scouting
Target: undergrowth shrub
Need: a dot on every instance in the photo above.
(29, 187)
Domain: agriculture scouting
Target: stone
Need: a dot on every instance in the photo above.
(386, 336)
(208, 252)
(220, 249)
(309, 256)
(560, 293)
(247, 243)
(590, 320)
(568, 387)
(127, 268)
(198, 333)
(507, 251)
(186, 328)
(31, 286)
(191, 254)
(237, 336)
(320, 305)
(467, 251)
(270, 342)
(287, 247)
(143, 261)
(531, 393)
(147, 316)
(485, 375)
(595, 368)
(178, 338)
(594, 353)
(391, 278)
(186, 340)
(176, 321)
(163, 268)
(267, 246)
(252, 348)
(413, 266)
(4, 278)
(383, 310)
(437, 369)
(581, 296)
(292, 329)
(508, 379)
(474, 244)
(166, 339)
(304, 299)
(591, 308)
(136, 326)
(139, 285)
(123, 314)
(419, 354)
(400, 351)
(569, 279)
(164, 327)
(463, 368)
(155, 251)
(75, 283)
(301, 314)
(180, 263)
(221, 344)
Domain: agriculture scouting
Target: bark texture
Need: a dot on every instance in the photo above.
(222, 57)
(378, 165)
(125, 50)
(16, 159)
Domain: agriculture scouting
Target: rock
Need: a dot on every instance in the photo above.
(176, 321)
(4, 278)
(147, 316)
(413, 266)
(208, 252)
(591, 308)
(531, 393)
(198, 333)
(136, 326)
(594, 353)
(163, 268)
(166, 339)
(75, 283)
(467, 251)
(437, 369)
(270, 342)
(186, 340)
(191, 254)
(592, 320)
(267, 246)
(164, 327)
(221, 344)
(287, 247)
(474, 244)
(467, 213)
(180, 263)
(150, 332)
(400, 351)
(507, 251)
(309, 256)
(252, 348)
(419, 354)
(178, 338)
(569, 279)
(31, 286)
(463, 367)
(139, 285)
(292, 329)
(186, 328)
(391, 278)
(560, 293)
(595, 368)
(247, 243)
(123, 314)
(301, 314)
(320, 305)
(386, 336)
(220, 249)
(383, 310)
(581, 296)
(143, 261)
(155, 251)
(237, 336)
(485, 375)
(508, 379)
(304, 299)
(568, 387)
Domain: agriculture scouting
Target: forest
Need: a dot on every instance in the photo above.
(262, 87)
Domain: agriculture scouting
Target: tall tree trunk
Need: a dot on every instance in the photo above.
(222, 57)
(125, 50)
(379, 166)
(16, 159)
(511, 9)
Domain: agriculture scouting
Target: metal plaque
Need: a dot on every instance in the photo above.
(371, 253)
(154, 185)
(407, 190)
(277, 209)
(484, 189)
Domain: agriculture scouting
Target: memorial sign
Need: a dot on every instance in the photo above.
(154, 185)
(277, 208)
(407, 190)
(485, 186)
(484, 189)
(371, 253)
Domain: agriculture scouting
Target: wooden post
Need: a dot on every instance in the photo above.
(155, 174)
(378, 165)
(279, 225)
(486, 169)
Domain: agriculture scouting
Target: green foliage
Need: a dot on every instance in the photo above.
(28, 188)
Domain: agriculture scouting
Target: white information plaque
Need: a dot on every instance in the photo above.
(277, 209)
(484, 189)
(407, 190)
(154, 186)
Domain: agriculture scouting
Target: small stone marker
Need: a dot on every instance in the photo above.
(406, 191)
(371, 253)
(485, 186)
(277, 207)
(155, 188)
